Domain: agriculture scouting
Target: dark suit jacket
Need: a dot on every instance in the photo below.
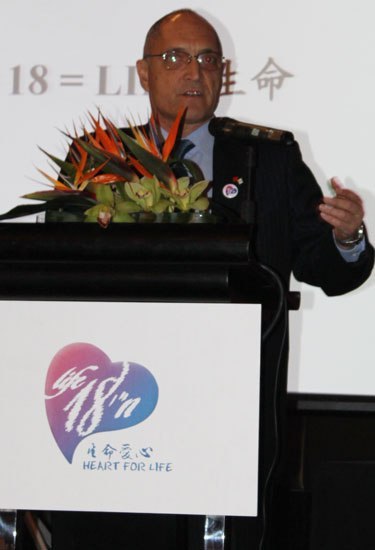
(289, 234)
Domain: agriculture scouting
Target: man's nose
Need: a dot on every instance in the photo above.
(193, 69)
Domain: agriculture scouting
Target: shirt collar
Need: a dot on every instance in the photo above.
(201, 137)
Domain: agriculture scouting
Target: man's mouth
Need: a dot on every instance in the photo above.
(192, 93)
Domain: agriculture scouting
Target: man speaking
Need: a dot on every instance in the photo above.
(321, 240)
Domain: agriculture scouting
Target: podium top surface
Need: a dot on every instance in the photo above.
(125, 242)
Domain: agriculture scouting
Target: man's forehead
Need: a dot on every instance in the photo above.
(184, 29)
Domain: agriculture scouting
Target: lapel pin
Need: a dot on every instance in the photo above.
(230, 191)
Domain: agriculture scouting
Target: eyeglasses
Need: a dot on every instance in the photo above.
(175, 59)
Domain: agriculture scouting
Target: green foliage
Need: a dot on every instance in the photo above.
(109, 176)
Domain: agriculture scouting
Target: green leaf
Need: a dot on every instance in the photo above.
(91, 215)
(153, 164)
(201, 204)
(153, 185)
(23, 210)
(104, 194)
(134, 190)
(183, 204)
(197, 189)
(65, 166)
(161, 206)
(127, 207)
(64, 202)
(48, 195)
(140, 195)
(121, 190)
(183, 184)
(123, 218)
(115, 164)
(167, 193)
(75, 201)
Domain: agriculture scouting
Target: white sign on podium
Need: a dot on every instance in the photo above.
(130, 407)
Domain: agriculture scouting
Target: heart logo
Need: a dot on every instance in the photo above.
(85, 393)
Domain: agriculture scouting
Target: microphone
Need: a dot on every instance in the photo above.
(228, 127)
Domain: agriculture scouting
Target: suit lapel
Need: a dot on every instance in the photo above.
(232, 167)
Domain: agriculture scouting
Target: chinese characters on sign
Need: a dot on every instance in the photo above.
(126, 458)
(228, 80)
(271, 76)
(38, 80)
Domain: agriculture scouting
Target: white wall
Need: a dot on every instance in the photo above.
(328, 47)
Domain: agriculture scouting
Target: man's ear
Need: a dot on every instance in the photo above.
(142, 69)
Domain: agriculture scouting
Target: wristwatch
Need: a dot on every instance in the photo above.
(352, 241)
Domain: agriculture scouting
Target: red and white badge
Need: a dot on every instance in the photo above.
(230, 191)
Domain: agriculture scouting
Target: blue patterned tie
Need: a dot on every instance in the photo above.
(182, 147)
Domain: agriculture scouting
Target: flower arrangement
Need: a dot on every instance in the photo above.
(110, 176)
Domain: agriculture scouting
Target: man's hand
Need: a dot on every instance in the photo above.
(344, 211)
